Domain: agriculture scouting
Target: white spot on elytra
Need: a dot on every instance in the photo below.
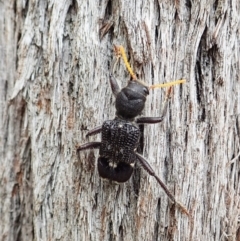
(112, 164)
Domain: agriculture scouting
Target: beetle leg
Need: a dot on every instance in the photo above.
(149, 120)
(149, 169)
(94, 131)
(89, 145)
(153, 120)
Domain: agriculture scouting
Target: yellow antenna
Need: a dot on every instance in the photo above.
(181, 81)
(119, 50)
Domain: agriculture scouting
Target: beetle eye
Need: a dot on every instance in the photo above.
(146, 91)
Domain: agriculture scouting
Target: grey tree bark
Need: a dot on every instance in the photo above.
(54, 71)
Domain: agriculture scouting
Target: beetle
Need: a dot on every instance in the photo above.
(120, 136)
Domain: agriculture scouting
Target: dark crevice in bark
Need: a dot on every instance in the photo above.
(204, 68)
(68, 40)
(141, 141)
(156, 33)
(20, 113)
(28, 191)
(95, 203)
(41, 218)
(186, 137)
(152, 75)
(66, 207)
(108, 10)
(137, 170)
(168, 162)
(198, 76)
(136, 181)
(120, 230)
(70, 87)
(188, 3)
(110, 230)
(157, 14)
(238, 126)
(216, 8)
(15, 215)
(156, 225)
(172, 224)
(25, 9)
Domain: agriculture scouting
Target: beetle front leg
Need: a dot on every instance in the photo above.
(89, 145)
(153, 120)
(149, 169)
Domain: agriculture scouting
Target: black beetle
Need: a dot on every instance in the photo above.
(120, 136)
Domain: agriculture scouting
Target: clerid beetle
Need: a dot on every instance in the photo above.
(120, 136)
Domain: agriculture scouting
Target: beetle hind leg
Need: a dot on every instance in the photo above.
(149, 169)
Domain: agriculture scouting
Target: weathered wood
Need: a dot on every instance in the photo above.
(55, 85)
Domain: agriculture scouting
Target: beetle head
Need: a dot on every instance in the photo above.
(130, 101)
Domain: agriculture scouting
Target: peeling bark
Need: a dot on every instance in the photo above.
(55, 57)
